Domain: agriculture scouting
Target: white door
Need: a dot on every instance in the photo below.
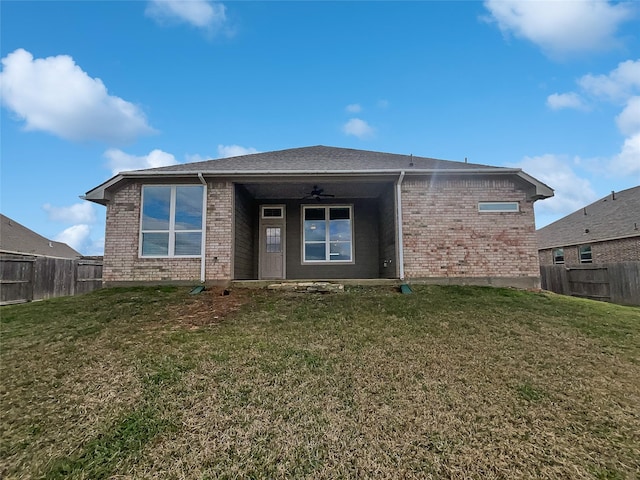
(272, 245)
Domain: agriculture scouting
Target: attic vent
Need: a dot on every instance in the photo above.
(411, 160)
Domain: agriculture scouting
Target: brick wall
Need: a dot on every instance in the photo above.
(121, 256)
(445, 235)
(611, 251)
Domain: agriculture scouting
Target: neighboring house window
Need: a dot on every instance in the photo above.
(171, 224)
(327, 234)
(558, 256)
(498, 207)
(585, 254)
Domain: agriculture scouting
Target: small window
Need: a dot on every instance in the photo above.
(558, 256)
(498, 207)
(585, 254)
(171, 224)
(272, 212)
(327, 234)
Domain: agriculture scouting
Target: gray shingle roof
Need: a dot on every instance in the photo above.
(16, 238)
(317, 158)
(605, 219)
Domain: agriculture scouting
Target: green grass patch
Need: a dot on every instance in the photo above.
(447, 382)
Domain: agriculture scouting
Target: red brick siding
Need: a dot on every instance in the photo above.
(611, 251)
(121, 256)
(445, 236)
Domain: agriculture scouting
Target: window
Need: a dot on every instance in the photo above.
(498, 207)
(272, 212)
(585, 254)
(327, 234)
(558, 256)
(171, 224)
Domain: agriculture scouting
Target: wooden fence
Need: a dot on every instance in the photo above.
(611, 282)
(25, 278)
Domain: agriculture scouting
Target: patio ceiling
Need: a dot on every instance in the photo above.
(299, 190)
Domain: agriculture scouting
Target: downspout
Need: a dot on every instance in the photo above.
(203, 246)
(399, 220)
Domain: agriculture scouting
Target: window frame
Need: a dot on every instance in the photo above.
(327, 240)
(583, 249)
(499, 210)
(554, 256)
(171, 231)
(272, 207)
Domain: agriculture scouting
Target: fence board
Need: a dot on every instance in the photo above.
(614, 282)
(24, 278)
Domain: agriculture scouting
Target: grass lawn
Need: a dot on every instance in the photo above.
(449, 382)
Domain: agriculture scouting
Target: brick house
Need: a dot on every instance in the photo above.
(322, 213)
(607, 231)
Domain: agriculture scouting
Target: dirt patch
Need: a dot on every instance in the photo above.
(210, 307)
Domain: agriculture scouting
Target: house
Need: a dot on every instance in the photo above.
(18, 239)
(607, 231)
(322, 213)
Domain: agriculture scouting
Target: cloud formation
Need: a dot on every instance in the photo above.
(119, 161)
(226, 151)
(77, 237)
(55, 95)
(353, 108)
(571, 191)
(82, 212)
(358, 128)
(198, 13)
(558, 101)
(562, 27)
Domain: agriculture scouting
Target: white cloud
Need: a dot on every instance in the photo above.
(199, 13)
(627, 162)
(571, 191)
(383, 103)
(77, 213)
(561, 26)
(353, 108)
(55, 95)
(77, 237)
(358, 128)
(226, 151)
(629, 119)
(616, 86)
(120, 161)
(557, 101)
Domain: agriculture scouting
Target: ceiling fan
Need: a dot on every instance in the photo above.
(318, 194)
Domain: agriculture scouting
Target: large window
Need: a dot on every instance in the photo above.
(171, 224)
(328, 234)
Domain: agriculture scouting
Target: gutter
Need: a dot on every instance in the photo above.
(399, 222)
(203, 246)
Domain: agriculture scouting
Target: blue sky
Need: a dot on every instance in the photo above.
(90, 88)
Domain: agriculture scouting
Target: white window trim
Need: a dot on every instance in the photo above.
(266, 207)
(505, 210)
(172, 221)
(553, 255)
(327, 242)
(580, 247)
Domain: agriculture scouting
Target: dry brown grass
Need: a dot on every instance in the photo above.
(446, 383)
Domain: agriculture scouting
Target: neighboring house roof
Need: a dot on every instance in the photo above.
(613, 217)
(318, 160)
(16, 238)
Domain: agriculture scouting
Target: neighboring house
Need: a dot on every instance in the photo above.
(607, 231)
(18, 239)
(322, 213)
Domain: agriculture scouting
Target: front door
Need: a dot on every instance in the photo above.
(272, 242)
